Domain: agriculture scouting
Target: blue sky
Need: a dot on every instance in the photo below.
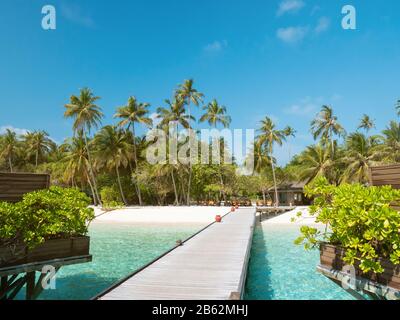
(262, 57)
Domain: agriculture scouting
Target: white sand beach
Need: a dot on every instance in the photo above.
(188, 215)
(286, 218)
(161, 215)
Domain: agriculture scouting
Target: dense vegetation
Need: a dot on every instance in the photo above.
(109, 162)
(357, 218)
(45, 214)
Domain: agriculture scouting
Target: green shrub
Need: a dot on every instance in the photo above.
(109, 194)
(112, 205)
(45, 214)
(357, 218)
(111, 198)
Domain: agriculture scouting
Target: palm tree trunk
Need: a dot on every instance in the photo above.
(91, 188)
(10, 163)
(37, 159)
(91, 169)
(264, 197)
(189, 183)
(120, 186)
(136, 164)
(175, 191)
(275, 186)
(183, 192)
(190, 159)
(133, 180)
(222, 185)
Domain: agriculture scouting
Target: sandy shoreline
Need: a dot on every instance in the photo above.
(188, 216)
(160, 215)
(286, 218)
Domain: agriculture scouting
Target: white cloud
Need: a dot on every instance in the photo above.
(18, 131)
(75, 14)
(292, 34)
(323, 25)
(306, 107)
(215, 47)
(300, 110)
(290, 6)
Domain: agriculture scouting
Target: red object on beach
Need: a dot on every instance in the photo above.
(233, 209)
(218, 218)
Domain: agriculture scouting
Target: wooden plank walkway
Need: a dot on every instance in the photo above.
(210, 266)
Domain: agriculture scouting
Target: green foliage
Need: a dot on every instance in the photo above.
(45, 214)
(359, 219)
(111, 198)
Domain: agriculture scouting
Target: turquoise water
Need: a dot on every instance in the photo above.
(280, 270)
(117, 251)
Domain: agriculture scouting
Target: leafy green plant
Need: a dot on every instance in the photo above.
(357, 218)
(43, 215)
(111, 198)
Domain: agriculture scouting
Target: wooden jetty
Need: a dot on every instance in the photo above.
(211, 265)
(267, 212)
(360, 288)
(14, 278)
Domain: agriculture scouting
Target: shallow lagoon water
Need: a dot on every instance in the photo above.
(117, 251)
(280, 270)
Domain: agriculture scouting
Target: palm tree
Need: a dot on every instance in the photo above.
(215, 114)
(398, 107)
(361, 154)
(261, 158)
(9, 147)
(174, 113)
(366, 123)
(314, 162)
(86, 115)
(269, 135)
(77, 163)
(38, 144)
(113, 149)
(189, 95)
(289, 132)
(325, 126)
(134, 112)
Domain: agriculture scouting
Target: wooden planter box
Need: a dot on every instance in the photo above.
(332, 257)
(49, 250)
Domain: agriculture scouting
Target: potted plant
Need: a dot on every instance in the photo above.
(361, 229)
(45, 225)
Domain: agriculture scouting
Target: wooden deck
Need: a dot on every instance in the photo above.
(13, 186)
(210, 266)
(268, 212)
(357, 285)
